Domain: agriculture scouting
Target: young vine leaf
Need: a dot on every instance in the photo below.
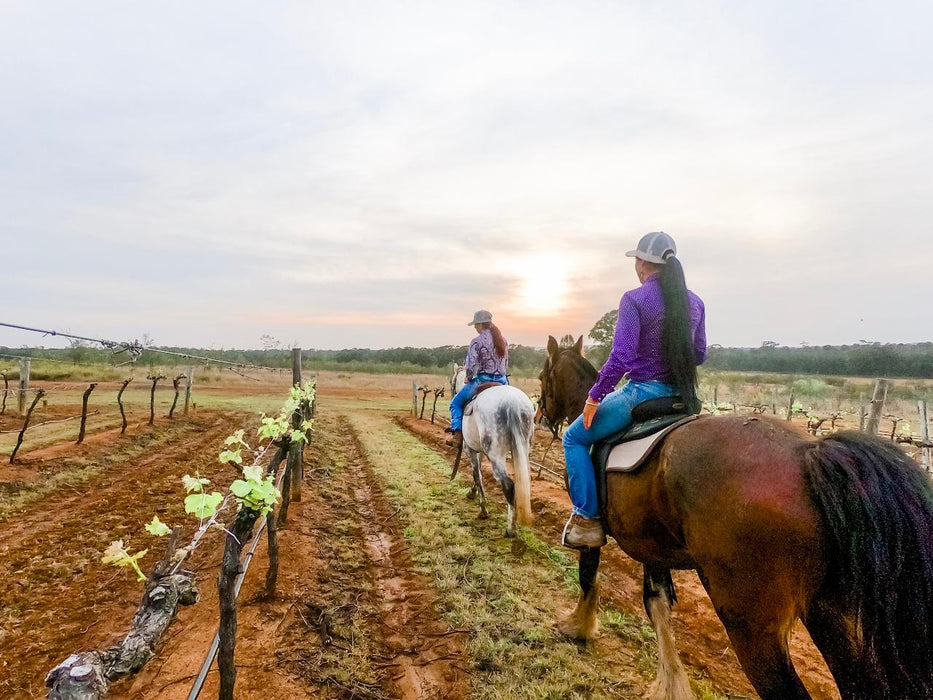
(157, 527)
(194, 484)
(254, 492)
(118, 556)
(203, 505)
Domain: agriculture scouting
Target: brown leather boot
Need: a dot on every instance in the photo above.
(580, 533)
(455, 439)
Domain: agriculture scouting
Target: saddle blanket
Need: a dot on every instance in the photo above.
(628, 456)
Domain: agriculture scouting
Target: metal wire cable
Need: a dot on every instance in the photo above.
(135, 348)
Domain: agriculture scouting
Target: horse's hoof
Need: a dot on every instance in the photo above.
(483, 515)
(509, 533)
(571, 626)
(518, 547)
(471, 495)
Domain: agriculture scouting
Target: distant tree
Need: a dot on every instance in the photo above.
(601, 333)
(78, 350)
(768, 344)
(567, 341)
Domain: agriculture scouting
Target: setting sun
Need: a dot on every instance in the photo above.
(543, 286)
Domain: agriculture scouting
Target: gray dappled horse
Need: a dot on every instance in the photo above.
(498, 421)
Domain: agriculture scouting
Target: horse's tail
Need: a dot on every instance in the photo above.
(876, 506)
(521, 425)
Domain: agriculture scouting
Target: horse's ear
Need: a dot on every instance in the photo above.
(552, 347)
(578, 346)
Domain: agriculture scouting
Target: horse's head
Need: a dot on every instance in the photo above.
(565, 380)
(457, 379)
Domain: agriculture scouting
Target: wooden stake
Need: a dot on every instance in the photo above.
(23, 384)
(877, 406)
(790, 407)
(189, 378)
(925, 434)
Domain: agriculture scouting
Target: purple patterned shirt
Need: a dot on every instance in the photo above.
(481, 357)
(636, 345)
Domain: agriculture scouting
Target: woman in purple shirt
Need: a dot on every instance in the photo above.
(659, 340)
(487, 360)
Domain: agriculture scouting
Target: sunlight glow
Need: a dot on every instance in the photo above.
(543, 286)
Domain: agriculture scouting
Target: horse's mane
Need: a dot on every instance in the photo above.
(583, 367)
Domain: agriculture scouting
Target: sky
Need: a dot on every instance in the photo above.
(368, 174)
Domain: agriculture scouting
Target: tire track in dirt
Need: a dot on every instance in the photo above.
(427, 653)
(701, 639)
(57, 596)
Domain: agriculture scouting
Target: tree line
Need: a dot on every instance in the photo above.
(910, 360)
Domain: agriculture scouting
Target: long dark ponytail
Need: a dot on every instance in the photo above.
(498, 340)
(677, 334)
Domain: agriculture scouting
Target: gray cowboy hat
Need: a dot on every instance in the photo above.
(481, 316)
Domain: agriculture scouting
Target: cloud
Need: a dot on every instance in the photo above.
(338, 163)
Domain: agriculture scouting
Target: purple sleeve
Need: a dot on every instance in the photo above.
(624, 347)
(472, 359)
(699, 336)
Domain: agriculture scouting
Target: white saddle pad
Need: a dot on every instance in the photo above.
(628, 456)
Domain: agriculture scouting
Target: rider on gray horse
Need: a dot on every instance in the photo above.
(487, 360)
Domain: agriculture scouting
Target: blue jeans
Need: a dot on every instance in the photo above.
(614, 414)
(463, 397)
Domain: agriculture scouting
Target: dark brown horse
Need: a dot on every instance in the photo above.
(577, 378)
(780, 526)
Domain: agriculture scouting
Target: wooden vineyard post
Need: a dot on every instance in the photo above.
(23, 384)
(226, 585)
(414, 398)
(175, 381)
(189, 378)
(87, 394)
(773, 401)
(154, 378)
(927, 458)
(19, 440)
(877, 406)
(790, 407)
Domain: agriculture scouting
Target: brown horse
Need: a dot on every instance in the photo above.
(780, 526)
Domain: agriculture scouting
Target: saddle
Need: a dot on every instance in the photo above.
(628, 449)
(468, 409)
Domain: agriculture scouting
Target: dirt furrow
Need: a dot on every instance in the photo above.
(426, 653)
